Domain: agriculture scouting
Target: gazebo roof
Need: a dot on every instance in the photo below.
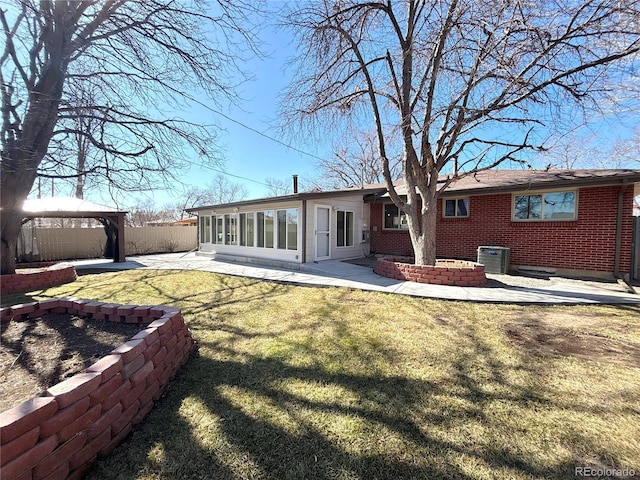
(66, 206)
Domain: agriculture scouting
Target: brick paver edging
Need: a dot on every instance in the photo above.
(60, 433)
(30, 281)
(445, 272)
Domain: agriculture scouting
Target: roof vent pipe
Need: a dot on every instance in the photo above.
(295, 183)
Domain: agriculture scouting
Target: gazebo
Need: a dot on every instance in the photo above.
(66, 207)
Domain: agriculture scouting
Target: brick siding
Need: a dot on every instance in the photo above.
(587, 243)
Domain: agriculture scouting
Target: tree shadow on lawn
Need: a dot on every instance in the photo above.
(244, 418)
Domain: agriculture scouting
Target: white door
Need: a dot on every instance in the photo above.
(323, 233)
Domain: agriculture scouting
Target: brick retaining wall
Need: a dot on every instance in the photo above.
(59, 434)
(30, 281)
(445, 272)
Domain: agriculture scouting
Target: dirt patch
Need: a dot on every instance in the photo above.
(572, 336)
(36, 354)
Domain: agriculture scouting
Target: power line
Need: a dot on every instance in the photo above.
(251, 128)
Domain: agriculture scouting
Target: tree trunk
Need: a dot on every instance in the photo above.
(15, 186)
(422, 220)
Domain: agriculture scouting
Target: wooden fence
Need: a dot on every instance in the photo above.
(40, 244)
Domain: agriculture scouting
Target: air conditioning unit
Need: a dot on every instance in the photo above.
(494, 259)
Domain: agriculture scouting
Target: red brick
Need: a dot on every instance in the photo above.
(141, 375)
(92, 307)
(24, 417)
(125, 310)
(133, 395)
(107, 366)
(159, 357)
(133, 366)
(149, 335)
(104, 390)
(142, 412)
(115, 441)
(60, 456)
(64, 417)
(109, 308)
(90, 450)
(125, 418)
(18, 446)
(24, 308)
(163, 324)
(151, 350)
(28, 459)
(117, 396)
(104, 421)
(60, 473)
(171, 343)
(129, 350)
(80, 423)
(149, 393)
(74, 388)
(142, 312)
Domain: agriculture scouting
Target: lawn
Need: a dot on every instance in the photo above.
(332, 383)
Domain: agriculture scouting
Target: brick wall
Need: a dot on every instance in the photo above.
(59, 434)
(31, 281)
(587, 243)
(445, 272)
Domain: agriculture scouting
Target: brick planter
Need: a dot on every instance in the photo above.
(30, 281)
(59, 434)
(446, 272)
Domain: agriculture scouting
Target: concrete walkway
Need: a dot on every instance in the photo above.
(501, 288)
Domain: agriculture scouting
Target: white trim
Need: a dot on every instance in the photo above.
(542, 193)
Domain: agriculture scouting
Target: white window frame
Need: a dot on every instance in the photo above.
(345, 238)
(456, 200)
(542, 194)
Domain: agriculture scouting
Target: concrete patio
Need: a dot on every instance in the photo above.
(500, 289)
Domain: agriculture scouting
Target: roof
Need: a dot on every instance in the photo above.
(505, 181)
(65, 206)
(366, 190)
(484, 182)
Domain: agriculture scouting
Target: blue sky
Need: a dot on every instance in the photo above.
(249, 158)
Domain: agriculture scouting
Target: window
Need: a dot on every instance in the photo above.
(219, 230)
(268, 229)
(344, 229)
(545, 206)
(264, 226)
(230, 221)
(205, 229)
(287, 229)
(394, 218)
(456, 207)
(245, 225)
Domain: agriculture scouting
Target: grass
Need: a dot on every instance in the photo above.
(332, 383)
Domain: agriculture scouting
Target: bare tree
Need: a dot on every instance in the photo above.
(463, 85)
(357, 163)
(138, 60)
(277, 186)
(219, 190)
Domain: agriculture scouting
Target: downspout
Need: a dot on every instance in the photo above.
(619, 219)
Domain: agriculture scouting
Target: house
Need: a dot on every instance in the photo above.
(571, 222)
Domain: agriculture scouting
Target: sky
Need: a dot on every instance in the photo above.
(249, 157)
